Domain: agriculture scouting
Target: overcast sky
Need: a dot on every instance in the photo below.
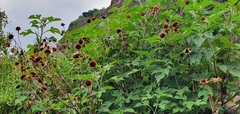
(68, 10)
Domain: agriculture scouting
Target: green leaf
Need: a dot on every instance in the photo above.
(53, 39)
(127, 2)
(38, 16)
(54, 30)
(235, 72)
(188, 104)
(20, 99)
(116, 79)
(209, 34)
(223, 68)
(133, 71)
(143, 103)
(27, 32)
(37, 108)
(199, 41)
(128, 110)
(51, 19)
(153, 39)
(159, 77)
(147, 53)
(214, 16)
(85, 77)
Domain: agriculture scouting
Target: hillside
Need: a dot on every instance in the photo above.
(98, 13)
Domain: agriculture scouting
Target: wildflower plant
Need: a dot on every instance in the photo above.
(151, 58)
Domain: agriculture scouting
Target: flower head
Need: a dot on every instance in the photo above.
(204, 81)
(89, 20)
(203, 19)
(76, 55)
(175, 24)
(162, 35)
(92, 63)
(216, 80)
(17, 63)
(47, 52)
(22, 77)
(32, 74)
(78, 46)
(119, 30)
(88, 83)
(10, 36)
(165, 26)
(44, 88)
(128, 15)
(143, 13)
(187, 51)
(18, 28)
(103, 17)
(81, 41)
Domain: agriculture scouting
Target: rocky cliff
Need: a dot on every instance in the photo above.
(82, 20)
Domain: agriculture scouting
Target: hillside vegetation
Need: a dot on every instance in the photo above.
(158, 57)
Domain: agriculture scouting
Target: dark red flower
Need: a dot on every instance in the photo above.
(18, 28)
(162, 35)
(78, 46)
(128, 15)
(76, 55)
(10, 36)
(89, 20)
(119, 30)
(175, 24)
(88, 83)
(92, 63)
(22, 77)
(165, 26)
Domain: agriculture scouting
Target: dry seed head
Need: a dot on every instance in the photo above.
(204, 81)
(76, 55)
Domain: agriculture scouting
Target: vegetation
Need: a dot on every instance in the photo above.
(151, 58)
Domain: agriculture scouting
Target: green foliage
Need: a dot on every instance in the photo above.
(151, 58)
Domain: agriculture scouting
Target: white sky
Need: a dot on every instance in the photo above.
(68, 10)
